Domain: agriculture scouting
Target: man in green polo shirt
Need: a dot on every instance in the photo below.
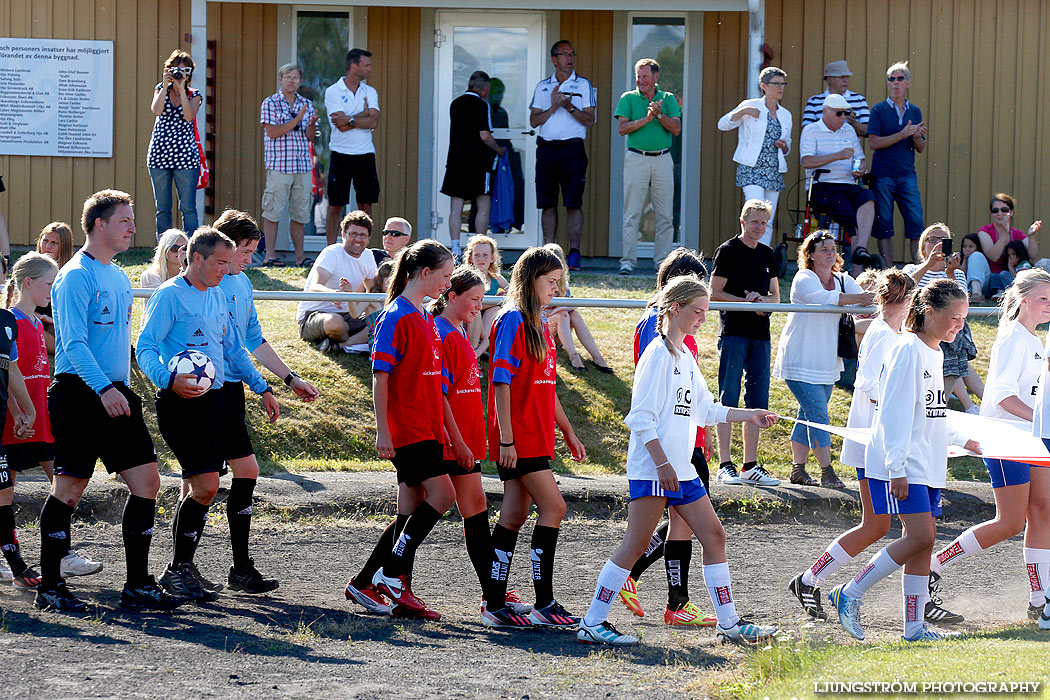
(648, 117)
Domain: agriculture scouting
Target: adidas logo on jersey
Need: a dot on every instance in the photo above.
(198, 333)
(926, 375)
(105, 309)
(676, 372)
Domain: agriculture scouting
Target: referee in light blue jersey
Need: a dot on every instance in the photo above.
(189, 312)
(94, 414)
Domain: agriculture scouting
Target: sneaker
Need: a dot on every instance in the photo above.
(6, 575)
(690, 614)
(149, 596)
(626, 269)
(727, 474)
(744, 631)
(573, 260)
(604, 633)
(974, 410)
(519, 606)
(1044, 619)
(58, 597)
(934, 612)
(629, 596)
(398, 591)
(249, 580)
(758, 476)
(849, 611)
(178, 580)
(809, 596)
(928, 634)
(504, 617)
(368, 598)
(1034, 611)
(420, 613)
(76, 564)
(28, 580)
(206, 584)
(554, 615)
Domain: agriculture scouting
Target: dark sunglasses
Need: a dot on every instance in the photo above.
(997, 210)
(895, 78)
(842, 112)
(178, 248)
(395, 234)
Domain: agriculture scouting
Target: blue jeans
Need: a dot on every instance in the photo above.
(748, 358)
(812, 406)
(904, 190)
(186, 184)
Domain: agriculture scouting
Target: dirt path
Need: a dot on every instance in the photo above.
(307, 642)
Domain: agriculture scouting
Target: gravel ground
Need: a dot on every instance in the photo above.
(307, 641)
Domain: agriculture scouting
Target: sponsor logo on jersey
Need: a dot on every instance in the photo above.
(473, 375)
(936, 403)
(604, 594)
(950, 553)
(683, 401)
(819, 565)
(722, 593)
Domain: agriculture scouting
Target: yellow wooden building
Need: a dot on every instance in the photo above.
(978, 70)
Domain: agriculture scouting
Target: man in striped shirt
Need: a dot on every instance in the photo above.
(837, 74)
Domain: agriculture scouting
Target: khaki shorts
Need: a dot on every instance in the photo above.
(311, 328)
(291, 191)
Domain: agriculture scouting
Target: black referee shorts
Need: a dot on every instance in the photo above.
(85, 433)
(237, 441)
(560, 165)
(199, 430)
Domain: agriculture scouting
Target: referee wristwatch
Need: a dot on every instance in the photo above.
(291, 377)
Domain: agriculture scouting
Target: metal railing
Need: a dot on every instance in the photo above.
(579, 302)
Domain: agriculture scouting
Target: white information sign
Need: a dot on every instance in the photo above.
(56, 97)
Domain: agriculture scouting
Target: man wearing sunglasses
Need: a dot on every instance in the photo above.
(832, 145)
(397, 233)
(837, 75)
(896, 133)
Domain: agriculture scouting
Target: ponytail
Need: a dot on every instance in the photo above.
(421, 254)
(1024, 283)
(464, 279)
(937, 295)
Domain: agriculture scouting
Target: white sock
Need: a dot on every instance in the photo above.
(961, 547)
(1038, 564)
(457, 249)
(916, 592)
(880, 566)
(720, 588)
(826, 564)
(610, 581)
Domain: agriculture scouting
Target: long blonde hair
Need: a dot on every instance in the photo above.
(521, 294)
(168, 240)
(563, 283)
(1024, 283)
(495, 265)
(64, 233)
(30, 266)
(681, 290)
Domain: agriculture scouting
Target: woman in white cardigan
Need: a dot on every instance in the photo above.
(807, 354)
(763, 139)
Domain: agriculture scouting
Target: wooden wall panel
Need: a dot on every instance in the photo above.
(978, 69)
(591, 35)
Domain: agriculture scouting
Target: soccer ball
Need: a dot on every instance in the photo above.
(195, 363)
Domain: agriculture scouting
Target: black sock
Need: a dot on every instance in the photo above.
(677, 554)
(137, 528)
(503, 543)
(653, 552)
(188, 528)
(479, 547)
(400, 559)
(55, 518)
(700, 464)
(541, 551)
(380, 551)
(749, 465)
(9, 540)
(239, 515)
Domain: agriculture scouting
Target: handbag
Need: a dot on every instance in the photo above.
(205, 172)
(847, 332)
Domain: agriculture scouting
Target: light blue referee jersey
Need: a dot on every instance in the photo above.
(241, 307)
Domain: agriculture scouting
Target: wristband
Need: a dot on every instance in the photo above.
(292, 376)
(267, 389)
(507, 444)
(663, 464)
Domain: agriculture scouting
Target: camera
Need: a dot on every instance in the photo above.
(176, 72)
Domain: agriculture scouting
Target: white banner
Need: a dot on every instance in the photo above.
(56, 97)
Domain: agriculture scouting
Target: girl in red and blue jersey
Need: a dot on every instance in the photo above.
(523, 410)
(410, 428)
(465, 427)
(673, 540)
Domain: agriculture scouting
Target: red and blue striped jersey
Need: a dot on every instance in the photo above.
(461, 384)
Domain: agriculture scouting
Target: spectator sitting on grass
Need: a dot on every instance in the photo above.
(169, 259)
(563, 320)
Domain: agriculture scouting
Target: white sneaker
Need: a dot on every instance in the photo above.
(604, 633)
(974, 410)
(744, 631)
(729, 475)
(758, 476)
(76, 564)
(7, 576)
(626, 269)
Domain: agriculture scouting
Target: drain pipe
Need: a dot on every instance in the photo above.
(756, 10)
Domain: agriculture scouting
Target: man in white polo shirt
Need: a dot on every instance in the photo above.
(831, 144)
(353, 109)
(341, 267)
(837, 75)
(562, 109)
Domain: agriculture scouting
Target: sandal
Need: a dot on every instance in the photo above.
(581, 367)
(273, 262)
(801, 477)
(604, 368)
(306, 262)
(829, 479)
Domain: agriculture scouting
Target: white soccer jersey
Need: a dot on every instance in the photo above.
(1041, 414)
(910, 434)
(1015, 369)
(669, 401)
(874, 349)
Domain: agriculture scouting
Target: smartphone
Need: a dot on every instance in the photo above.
(946, 246)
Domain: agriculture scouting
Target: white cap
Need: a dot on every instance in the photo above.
(836, 101)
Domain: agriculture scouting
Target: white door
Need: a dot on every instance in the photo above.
(509, 47)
